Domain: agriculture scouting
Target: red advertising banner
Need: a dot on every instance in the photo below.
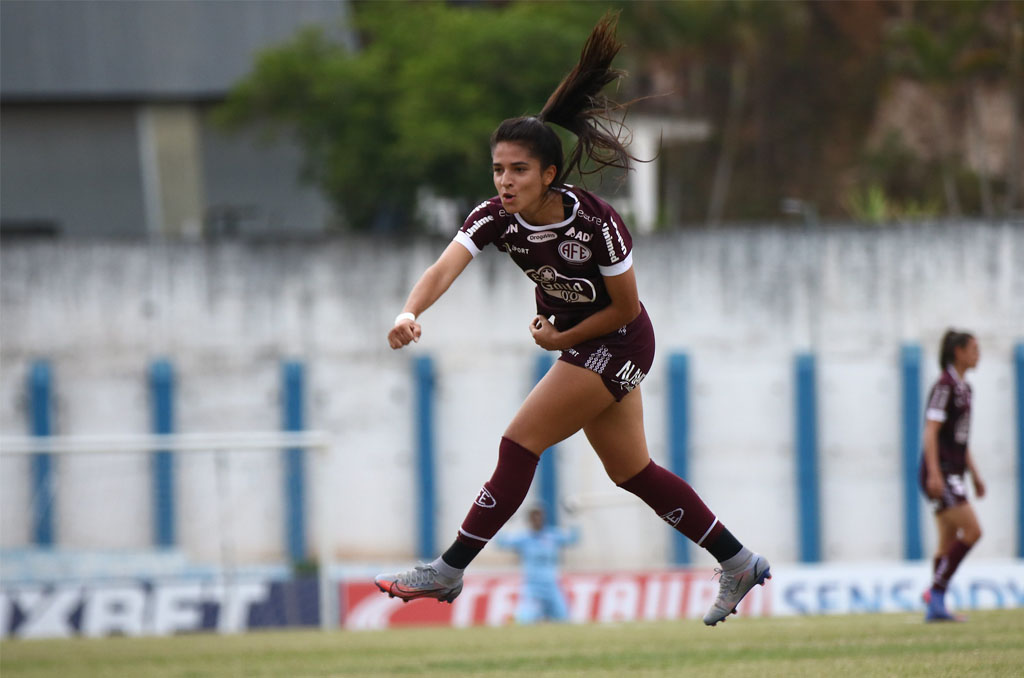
(597, 597)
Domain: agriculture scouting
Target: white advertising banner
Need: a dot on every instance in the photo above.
(687, 594)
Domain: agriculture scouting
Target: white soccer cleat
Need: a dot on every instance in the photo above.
(732, 586)
(423, 581)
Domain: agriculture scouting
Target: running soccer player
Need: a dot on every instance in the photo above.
(945, 458)
(540, 596)
(577, 250)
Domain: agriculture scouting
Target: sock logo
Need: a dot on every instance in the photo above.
(673, 517)
(485, 499)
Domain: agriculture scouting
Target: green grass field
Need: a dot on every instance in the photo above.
(990, 644)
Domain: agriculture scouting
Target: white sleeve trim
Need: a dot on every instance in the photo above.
(467, 242)
(935, 415)
(617, 269)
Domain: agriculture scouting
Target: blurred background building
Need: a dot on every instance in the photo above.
(104, 120)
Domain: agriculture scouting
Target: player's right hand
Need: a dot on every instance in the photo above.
(935, 485)
(404, 332)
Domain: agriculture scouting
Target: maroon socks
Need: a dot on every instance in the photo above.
(498, 499)
(675, 501)
(948, 563)
(670, 496)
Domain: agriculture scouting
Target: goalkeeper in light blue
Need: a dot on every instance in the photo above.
(539, 548)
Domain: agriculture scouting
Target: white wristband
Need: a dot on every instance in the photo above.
(406, 315)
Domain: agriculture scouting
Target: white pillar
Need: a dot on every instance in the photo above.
(649, 133)
(643, 191)
(170, 158)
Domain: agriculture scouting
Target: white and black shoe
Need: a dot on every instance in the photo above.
(423, 581)
(736, 583)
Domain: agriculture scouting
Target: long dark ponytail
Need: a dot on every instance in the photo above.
(577, 105)
(951, 341)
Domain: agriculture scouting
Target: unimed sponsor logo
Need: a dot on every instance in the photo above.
(477, 224)
(612, 256)
(574, 252)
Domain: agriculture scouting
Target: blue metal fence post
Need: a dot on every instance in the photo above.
(1018, 361)
(161, 387)
(40, 420)
(548, 467)
(910, 363)
(293, 405)
(424, 372)
(807, 459)
(679, 437)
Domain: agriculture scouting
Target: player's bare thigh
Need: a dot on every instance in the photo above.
(961, 522)
(558, 406)
(617, 435)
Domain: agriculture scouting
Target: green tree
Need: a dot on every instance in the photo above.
(415, 104)
(949, 47)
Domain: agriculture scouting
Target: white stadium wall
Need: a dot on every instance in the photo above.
(740, 302)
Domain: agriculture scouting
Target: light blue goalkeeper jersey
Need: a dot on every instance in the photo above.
(539, 552)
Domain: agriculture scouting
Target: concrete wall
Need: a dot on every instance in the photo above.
(740, 302)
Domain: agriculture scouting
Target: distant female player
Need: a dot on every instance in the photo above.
(945, 459)
(578, 251)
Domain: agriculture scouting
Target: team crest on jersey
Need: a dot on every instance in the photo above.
(573, 252)
(485, 499)
(542, 237)
(578, 290)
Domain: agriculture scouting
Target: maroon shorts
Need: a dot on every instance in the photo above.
(954, 491)
(622, 358)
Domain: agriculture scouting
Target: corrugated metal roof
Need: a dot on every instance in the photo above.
(130, 49)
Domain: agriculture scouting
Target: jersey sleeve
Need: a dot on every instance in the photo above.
(614, 249)
(479, 230)
(938, 403)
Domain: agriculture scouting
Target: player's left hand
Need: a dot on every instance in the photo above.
(979, 486)
(545, 334)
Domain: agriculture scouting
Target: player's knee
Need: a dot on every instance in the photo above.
(971, 535)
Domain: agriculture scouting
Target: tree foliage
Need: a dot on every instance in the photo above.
(791, 90)
(415, 104)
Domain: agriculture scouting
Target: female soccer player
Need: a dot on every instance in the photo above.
(577, 250)
(945, 458)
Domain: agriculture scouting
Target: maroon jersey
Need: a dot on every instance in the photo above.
(567, 260)
(950, 403)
